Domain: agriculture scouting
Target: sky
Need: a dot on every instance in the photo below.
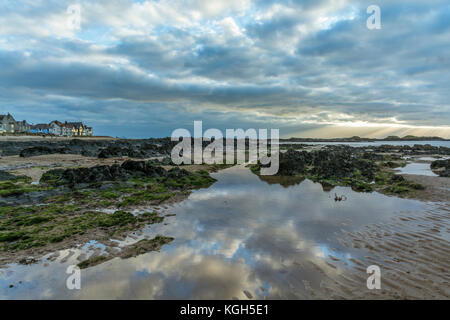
(309, 68)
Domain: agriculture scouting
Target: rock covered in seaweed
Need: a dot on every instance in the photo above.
(126, 170)
(6, 176)
(334, 163)
(441, 167)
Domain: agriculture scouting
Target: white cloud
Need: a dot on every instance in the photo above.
(288, 63)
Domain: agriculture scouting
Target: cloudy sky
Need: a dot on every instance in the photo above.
(311, 68)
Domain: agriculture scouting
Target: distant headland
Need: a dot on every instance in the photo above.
(359, 139)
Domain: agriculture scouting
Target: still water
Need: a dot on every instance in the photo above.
(241, 238)
(444, 143)
(417, 168)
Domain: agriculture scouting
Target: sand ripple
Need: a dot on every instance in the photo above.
(412, 252)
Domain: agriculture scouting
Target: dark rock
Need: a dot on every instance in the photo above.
(89, 147)
(340, 163)
(94, 174)
(166, 161)
(6, 176)
(146, 168)
(440, 164)
(396, 178)
(441, 167)
(154, 149)
(391, 164)
(332, 163)
(372, 156)
(42, 150)
(177, 173)
(27, 261)
(294, 162)
(119, 151)
(445, 173)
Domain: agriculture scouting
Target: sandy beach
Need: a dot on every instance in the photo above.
(411, 247)
(413, 253)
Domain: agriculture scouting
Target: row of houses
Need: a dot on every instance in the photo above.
(59, 128)
(9, 125)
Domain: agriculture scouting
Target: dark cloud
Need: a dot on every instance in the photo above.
(289, 64)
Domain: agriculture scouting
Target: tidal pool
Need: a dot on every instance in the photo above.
(241, 238)
(417, 168)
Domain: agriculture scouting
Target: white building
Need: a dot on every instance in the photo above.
(7, 124)
(56, 128)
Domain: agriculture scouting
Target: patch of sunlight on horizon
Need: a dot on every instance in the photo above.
(370, 131)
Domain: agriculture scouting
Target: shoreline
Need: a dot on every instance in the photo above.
(412, 255)
(436, 190)
(284, 140)
(144, 200)
(116, 198)
(411, 250)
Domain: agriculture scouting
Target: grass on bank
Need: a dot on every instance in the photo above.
(18, 186)
(75, 212)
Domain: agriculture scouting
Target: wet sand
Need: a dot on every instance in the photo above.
(437, 189)
(35, 167)
(413, 253)
(412, 250)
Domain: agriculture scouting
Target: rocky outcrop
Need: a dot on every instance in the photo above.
(117, 151)
(294, 162)
(89, 147)
(344, 166)
(417, 149)
(6, 176)
(155, 147)
(373, 151)
(127, 170)
(335, 163)
(331, 164)
(42, 150)
(441, 167)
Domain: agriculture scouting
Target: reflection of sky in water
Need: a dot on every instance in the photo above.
(240, 234)
(417, 168)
